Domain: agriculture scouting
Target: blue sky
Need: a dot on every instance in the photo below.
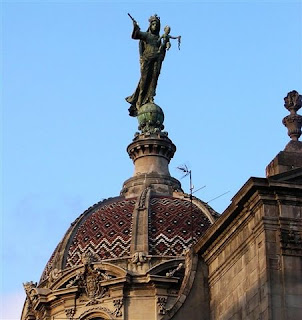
(67, 67)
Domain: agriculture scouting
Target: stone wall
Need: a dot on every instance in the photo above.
(237, 277)
(194, 299)
(254, 254)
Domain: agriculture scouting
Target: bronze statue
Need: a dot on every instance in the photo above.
(152, 50)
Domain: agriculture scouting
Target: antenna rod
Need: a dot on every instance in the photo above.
(199, 189)
(187, 172)
(191, 207)
(217, 197)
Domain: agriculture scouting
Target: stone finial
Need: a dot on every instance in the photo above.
(291, 157)
(293, 122)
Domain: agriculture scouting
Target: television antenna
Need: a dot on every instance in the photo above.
(188, 172)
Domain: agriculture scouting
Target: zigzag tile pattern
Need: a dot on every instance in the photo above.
(106, 233)
(171, 225)
(49, 266)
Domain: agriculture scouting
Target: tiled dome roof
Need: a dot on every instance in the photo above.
(172, 225)
(105, 230)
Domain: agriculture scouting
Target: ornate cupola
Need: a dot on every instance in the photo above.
(128, 257)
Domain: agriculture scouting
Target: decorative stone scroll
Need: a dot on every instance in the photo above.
(54, 275)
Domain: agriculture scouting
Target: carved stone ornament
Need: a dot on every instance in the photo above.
(291, 240)
(293, 122)
(89, 281)
(88, 258)
(30, 294)
(118, 303)
(172, 272)
(32, 297)
(293, 101)
(139, 258)
(161, 302)
(54, 275)
(143, 198)
(74, 281)
(92, 285)
(29, 285)
(109, 313)
(70, 313)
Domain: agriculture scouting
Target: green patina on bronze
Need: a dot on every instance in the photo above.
(152, 51)
(150, 118)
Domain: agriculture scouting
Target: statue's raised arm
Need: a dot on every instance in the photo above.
(152, 53)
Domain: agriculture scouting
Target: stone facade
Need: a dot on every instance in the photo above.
(254, 252)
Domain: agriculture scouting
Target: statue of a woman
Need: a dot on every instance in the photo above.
(152, 55)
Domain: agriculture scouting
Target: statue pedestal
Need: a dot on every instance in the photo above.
(151, 154)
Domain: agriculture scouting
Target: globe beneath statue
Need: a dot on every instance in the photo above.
(150, 118)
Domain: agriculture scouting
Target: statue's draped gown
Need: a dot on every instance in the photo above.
(150, 62)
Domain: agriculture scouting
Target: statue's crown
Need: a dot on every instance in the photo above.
(154, 18)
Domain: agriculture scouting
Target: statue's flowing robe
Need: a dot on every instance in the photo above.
(150, 63)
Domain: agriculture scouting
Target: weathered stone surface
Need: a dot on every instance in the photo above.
(284, 162)
(253, 253)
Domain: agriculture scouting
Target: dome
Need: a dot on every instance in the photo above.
(105, 230)
(133, 249)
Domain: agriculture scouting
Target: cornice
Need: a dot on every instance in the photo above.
(254, 193)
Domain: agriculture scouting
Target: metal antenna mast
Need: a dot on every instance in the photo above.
(188, 172)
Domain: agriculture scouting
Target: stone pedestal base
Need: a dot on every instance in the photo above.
(283, 162)
(151, 154)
